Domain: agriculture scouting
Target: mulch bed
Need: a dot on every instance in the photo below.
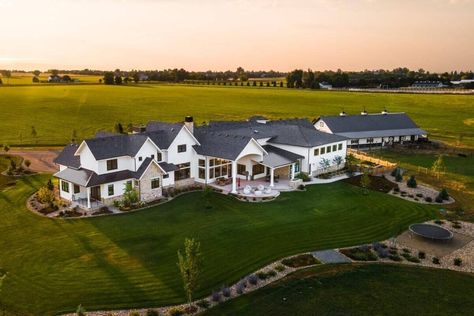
(379, 184)
(300, 261)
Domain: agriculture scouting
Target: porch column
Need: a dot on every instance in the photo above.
(88, 190)
(292, 171)
(234, 177)
(272, 176)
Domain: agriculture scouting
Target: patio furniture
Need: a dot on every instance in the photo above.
(257, 192)
(247, 189)
(267, 190)
(275, 178)
(260, 187)
(223, 181)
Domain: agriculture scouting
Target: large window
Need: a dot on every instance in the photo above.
(316, 151)
(202, 173)
(159, 157)
(65, 186)
(155, 183)
(77, 189)
(339, 146)
(258, 169)
(241, 169)
(217, 168)
(334, 147)
(323, 150)
(184, 171)
(354, 141)
(182, 148)
(328, 149)
(112, 164)
(110, 189)
(370, 140)
(202, 162)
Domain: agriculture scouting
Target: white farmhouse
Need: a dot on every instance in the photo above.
(96, 171)
(369, 130)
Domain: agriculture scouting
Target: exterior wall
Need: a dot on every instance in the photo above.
(123, 163)
(183, 137)
(283, 172)
(184, 183)
(170, 180)
(148, 149)
(249, 161)
(311, 163)
(119, 187)
(146, 192)
(87, 159)
(63, 194)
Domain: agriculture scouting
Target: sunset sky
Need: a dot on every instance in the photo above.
(437, 35)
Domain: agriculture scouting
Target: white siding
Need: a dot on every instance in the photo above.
(119, 187)
(183, 138)
(147, 150)
(87, 159)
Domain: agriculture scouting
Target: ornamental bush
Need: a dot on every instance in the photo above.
(45, 195)
(443, 194)
(411, 183)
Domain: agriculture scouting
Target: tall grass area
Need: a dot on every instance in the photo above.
(55, 111)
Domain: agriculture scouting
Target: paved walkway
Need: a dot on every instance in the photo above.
(330, 256)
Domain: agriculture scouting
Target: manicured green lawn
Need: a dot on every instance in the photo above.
(359, 290)
(129, 260)
(55, 111)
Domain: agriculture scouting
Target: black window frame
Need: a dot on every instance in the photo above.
(112, 164)
(153, 183)
(180, 148)
(159, 156)
(184, 172)
(110, 190)
(65, 186)
(339, 146)
(76, 188)
(316, 152)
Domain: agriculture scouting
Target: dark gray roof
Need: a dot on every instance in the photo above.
(278, 157)
(77, 176)
(371, 122)
(297, 132)
(163, 134)
(116, 146)
(220, 145)
(304, 137)
(168, 167)
(100, 134)
(66, 157)
(97, 179)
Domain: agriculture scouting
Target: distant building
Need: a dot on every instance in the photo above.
(370, 130)
(325, 85)
(428, 84)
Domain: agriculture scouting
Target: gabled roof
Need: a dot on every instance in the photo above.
(278, 157)
(66, 157)
(371, 122)
(220, 145)
(116, 146)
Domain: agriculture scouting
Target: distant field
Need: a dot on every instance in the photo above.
(27, 79)
(55, 111)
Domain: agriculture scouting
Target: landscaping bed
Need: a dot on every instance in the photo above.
(380, 184)
(300, 261)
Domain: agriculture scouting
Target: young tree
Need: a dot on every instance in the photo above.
(35, 80)
(50, 185)
(350, 163)
(438, 166)
(118, 80)
(27, 163)
(190, 265)
(338, 160)
(365, 182)
(34, 133)
(130, 195)
(80, 311)
(45, 195)
(324, 164)
(109, 77)
(118, 128)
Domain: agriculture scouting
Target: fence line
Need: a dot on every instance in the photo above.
(363, 156)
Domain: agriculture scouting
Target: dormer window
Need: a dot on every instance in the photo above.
(140, 158)
(112, 164)
(158, 156)
(182, 148)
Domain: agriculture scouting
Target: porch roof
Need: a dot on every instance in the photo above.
(77, 176)
(278, 157)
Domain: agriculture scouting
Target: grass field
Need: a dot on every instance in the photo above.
(55, 111)
(27, 79)
(359, 290)
(129, 260)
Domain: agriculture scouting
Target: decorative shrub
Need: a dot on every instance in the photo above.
(262, 275)
(406, 250)
(382, 253)
(395, 257)
(439, 222)
(252, 279)
(439, 199)
(203, 303)
(134, 313)
(457, 262)
(152, 312)
(303, 176)
(456, 225)
(421, 255)
(280, 268)
(411, 183)
(301, 187)
(396, 189)
(45, 195)
(443, 194)
(226, 291)
(410, 258)
(398, 178)
(419, 195)
(362, 253)
(216, 296)
(435, 260)
(271, 273)
(175, 312)
(428, 199)
(300, 261)
(239, 288)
